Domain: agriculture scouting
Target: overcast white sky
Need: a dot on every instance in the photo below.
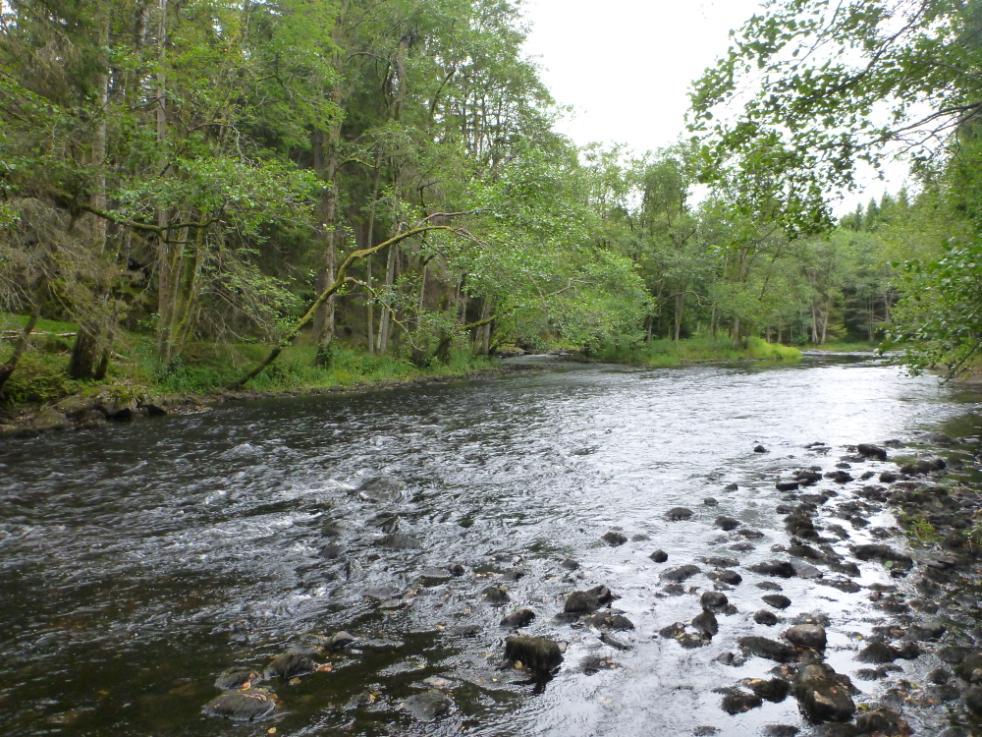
(626, 66)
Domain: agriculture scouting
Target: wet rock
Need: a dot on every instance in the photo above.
(429, 705)
(518, 618)
(595, 663)
(569, 564)
(289, 664)
(614, 538)
(730, 487)
(868, 450)
(766, 618)
(779, 568)
(807, 636)
(923, 466)
(823, 694)
(234, 678)
(732, 659)
(884, 554)
(340, 641)
(842, 584)
(786, 485)
(725, 575)
(805, 570)
(538, 654)
(775, 689)
(780, 730)
(705, 731)
(659, 556)
(721, 562)
(765, 648)
(710, 502)
(768, 586)
(434, 576)
(778, 601)
(246, 705)
(677, 514)
(584, 602)
(939, 676)
(882, 721)
(760, 449)
(738, 701)
(742, 547)
(705, 623)
(496, 595)
(800, 524)
(839, 477)
(727, 523)
(808, 476)
(610, 621)
(973, 701)
(878, 651)
(888, 477)
(970, 667)
(608, 639)
(801, 550)
(714, 601)
(678, 574)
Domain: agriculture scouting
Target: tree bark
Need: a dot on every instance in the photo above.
(20, 346)
(90, 342)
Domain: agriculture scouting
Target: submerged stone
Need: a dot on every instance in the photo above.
(245, 705)
(538, 654)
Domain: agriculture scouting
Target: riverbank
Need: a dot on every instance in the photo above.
(667, 353)
(40, 397)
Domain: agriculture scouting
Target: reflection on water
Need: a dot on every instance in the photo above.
(137, 564)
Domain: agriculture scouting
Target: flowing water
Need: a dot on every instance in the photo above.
(139, 563)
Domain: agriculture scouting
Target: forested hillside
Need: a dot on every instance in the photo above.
(384, 177)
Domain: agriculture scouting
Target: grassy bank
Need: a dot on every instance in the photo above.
(860, 346)
(206, 368)
(669, 353)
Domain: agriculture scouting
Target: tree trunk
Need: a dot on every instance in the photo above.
(679, 306)
(369, 237)
(20, 346)
(326, 164)
(90, 342)
(384, 319)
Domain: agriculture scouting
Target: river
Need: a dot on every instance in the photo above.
(138, 563)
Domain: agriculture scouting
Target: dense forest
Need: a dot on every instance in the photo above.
(326, 178)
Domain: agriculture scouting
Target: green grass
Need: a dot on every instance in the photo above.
(666, 353)
(205, 368)
(843, 347)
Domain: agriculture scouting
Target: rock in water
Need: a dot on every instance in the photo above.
(614, 538)
(538, 654)
(659, 556)
(868, 450)
(429, 705)
(823, 694)
(779, 568)
(764, 648)
(584, 602)
(677, 514)
(679, 573)
(807, 635)
(234, 678)
(246, 705)
(289, 664)
(518, 618)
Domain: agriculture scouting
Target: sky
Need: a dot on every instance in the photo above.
(626, 66)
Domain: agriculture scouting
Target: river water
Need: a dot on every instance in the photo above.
(137, 564)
